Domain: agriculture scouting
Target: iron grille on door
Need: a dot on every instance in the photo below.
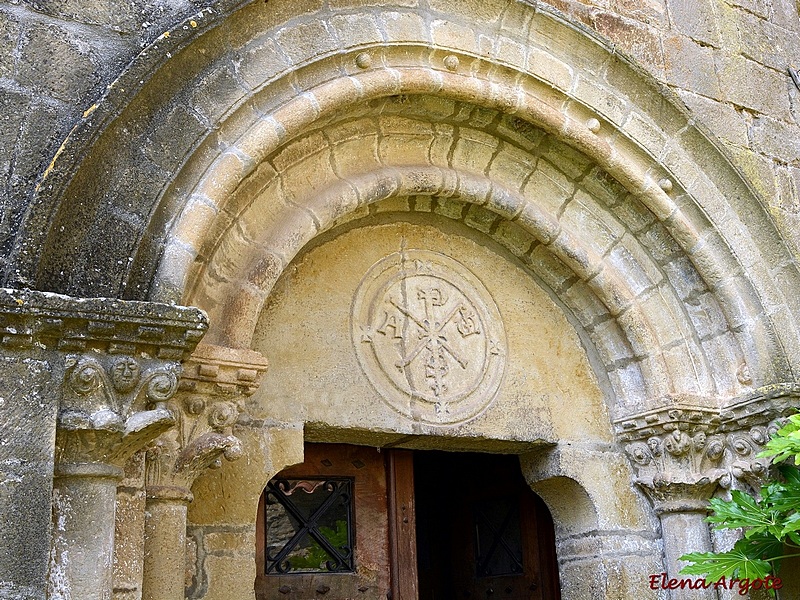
(309, 526)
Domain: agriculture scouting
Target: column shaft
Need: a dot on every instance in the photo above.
(683, 532)
(164, 548)
(84, 505)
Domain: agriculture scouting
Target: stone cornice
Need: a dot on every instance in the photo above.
(220, 371)
(761, 406)
(667, 419)
(31, 319)
(758, 407)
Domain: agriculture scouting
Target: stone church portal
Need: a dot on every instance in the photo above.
(426, 298)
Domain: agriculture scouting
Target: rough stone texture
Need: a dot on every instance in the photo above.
(235, 138)
(38, 330)
(60, 57)
(26, 471)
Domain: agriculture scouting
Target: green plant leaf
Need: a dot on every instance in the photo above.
(768, 523)
(734, 563)
(742, 510)
(792, 523)
(790, 474)
(763, 546)
(785, 443)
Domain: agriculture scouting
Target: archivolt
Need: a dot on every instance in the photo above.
(663, 257)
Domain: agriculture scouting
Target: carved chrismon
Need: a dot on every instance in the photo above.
(429, 337)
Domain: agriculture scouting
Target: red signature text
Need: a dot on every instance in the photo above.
(662, 581)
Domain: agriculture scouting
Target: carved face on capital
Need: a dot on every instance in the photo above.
(125, 374)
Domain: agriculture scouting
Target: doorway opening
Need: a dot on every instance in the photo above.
(481, 531)
(377, 524)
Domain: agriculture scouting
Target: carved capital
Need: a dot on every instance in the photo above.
(212, 390)
(690, 443)
(112, 405)
(671, 495)
(115, 365)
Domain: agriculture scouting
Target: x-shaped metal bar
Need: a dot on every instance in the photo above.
(497, 540)
(309, 526)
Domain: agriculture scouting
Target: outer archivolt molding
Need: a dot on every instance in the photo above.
(488, 86)
(248, 294)
(523, 90)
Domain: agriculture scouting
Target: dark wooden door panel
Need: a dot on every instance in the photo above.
(482, 533)
(426, 526)
(365, 468)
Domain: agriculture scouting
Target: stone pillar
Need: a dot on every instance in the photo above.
(215, 382)
(82, 386)
(682, 507)
(682, 454)
(677, 455)
(29, 380)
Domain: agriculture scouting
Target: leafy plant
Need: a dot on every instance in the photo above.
(771, 523)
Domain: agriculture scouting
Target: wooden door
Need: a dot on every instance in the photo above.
(339, 526)
(358, 523)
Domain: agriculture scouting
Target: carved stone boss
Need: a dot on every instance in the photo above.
(215, 383)
(429, 337)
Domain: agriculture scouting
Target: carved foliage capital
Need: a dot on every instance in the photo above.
(214, 385)
(683, 448)
(112, 405)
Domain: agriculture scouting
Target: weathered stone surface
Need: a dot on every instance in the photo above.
(697, 20)
(691, 66)
(673, 279)
(26, 471)
(55, 63)
(45, 390)
(9, 36)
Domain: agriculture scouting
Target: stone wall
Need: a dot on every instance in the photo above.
(57, 61)
(190, 152)
(726, 60)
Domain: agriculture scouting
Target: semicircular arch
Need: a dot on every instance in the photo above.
(322, 69)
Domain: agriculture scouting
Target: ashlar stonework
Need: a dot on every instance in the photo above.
(561, 230)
